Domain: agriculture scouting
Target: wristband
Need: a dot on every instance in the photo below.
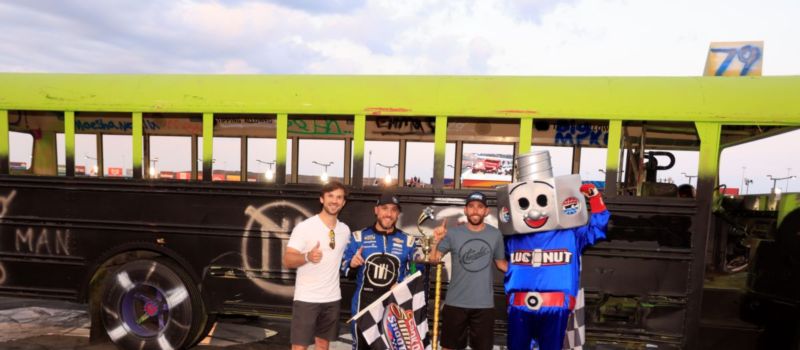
(305, 257)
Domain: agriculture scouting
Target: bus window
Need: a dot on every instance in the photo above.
(117, 160)
(593, 164)
(658, 157)
(768, 164)
(170, 157)
(86, 162)
(485, 148)
(32, 142)
(560, 158)
(168, 145)
(576, 146)
(93, 157)
(419, 164)
(320, 161)
(261, 159)
(486, 165)
(225, 160)
(21, 152)
(321, 146)
(381, 160)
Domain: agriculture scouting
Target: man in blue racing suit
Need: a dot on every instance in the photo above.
(379, 256)
(543, 278)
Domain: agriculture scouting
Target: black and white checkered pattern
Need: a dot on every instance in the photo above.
(575, 337)
(409, 295)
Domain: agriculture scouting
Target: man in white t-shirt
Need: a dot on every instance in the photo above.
(315, 249)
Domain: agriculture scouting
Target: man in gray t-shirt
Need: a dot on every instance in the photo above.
(469, 305)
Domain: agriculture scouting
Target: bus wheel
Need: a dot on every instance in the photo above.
(151, 304)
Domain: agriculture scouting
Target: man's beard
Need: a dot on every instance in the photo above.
(478, 220)
(389, 228)
(328, 210)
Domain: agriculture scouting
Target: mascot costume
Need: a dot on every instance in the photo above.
(547, 226)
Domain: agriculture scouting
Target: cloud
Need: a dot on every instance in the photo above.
(327, 6)
(494, 37)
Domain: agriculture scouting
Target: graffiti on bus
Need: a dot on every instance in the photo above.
(326, 127)
(100, 124)
(571, 133)
(261, 229)
(44, 241)
(405, 126)
(5, 202)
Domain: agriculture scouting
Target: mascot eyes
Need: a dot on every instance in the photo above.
(523, 203)
(541, 200)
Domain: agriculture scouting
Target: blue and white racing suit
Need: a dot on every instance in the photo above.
(387, 259)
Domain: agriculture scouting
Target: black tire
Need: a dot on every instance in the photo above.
(152, 304)
(210, 321)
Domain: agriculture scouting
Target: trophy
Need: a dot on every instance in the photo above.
(426, 241)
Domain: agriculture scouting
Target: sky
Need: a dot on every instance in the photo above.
(491, 37)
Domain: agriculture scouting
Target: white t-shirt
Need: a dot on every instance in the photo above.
(319, 283)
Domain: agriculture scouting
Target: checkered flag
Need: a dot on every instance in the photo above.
(575, 337)
(397, 319)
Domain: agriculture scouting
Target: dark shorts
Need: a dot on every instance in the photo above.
(311, 320)
(457, 322)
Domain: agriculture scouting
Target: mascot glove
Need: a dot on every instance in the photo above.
(595, 199)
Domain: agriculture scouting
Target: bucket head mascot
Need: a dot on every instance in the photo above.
(547, 226)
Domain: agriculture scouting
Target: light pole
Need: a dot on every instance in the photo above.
(690, 177)
(324, 176)
(153, 170)
(776, 179)
(747, 183)
(369, 164)
(269, 174)
(94, 167)
(744, 181)
(388, 178)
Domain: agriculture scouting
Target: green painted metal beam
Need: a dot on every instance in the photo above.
(525, 135)
(138, 142)
(4, 151)
(208, 145)
(706, 99)
(614, 145)
(359, 136)
(439, 150)
(710, 134)
(69, 141)
(708, 167)
(789, 203)
(280, 148)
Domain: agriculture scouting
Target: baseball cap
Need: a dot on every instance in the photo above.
(476, 196)
(388, 198)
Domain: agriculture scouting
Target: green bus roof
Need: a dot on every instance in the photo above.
(741, 100)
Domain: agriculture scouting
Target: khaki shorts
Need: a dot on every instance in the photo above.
(311, 320)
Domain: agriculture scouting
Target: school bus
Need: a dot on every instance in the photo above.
(110, 196)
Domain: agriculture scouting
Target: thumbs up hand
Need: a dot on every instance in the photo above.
(440, 231)
(357, 259)
(314, 255)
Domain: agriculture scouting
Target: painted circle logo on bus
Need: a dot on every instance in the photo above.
(263, 241)
(2, 273)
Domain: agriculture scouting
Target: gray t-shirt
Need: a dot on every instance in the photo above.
(473, 255)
